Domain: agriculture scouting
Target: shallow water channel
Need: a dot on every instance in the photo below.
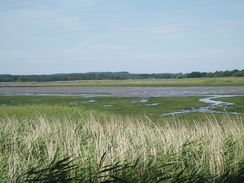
(213, 104)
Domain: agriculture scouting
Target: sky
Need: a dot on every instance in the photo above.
(138, 36)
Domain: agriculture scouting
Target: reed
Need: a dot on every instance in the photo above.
(105, 148)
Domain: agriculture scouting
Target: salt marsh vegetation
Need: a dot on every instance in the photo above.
(63, 144)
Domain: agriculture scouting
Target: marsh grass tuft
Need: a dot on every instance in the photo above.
(89, 146)
(57, 171)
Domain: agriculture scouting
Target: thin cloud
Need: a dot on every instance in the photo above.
(7, 5)
(166, 29)
(58, 19)
(8, 54)
(226, 26)
(106, 47)
(88, 47)
(34, 17)
(15, 5)
(235, 5)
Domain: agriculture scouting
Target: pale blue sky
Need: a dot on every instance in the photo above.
(139, 36)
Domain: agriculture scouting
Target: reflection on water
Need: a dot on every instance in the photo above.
(152, 104)
(143, 100)
(210, 108)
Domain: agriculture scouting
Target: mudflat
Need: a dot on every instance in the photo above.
(123, 91)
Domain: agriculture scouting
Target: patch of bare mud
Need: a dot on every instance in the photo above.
(122, 91)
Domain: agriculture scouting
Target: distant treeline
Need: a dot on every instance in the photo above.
(116, 76)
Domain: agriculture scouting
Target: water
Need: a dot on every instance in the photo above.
(142, 100)
(154, 104)
(210, 108)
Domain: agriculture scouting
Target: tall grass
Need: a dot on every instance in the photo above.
(115, 149)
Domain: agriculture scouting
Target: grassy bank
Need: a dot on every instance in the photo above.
(63, 144)
(222, 81)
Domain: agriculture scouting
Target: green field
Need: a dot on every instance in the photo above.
(222, 81)
(116, 139)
